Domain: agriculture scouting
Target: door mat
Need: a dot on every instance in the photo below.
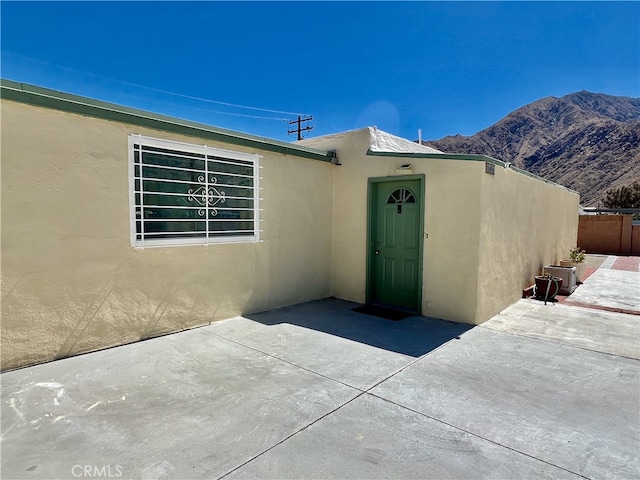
(382, 312)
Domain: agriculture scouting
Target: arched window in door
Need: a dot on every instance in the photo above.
(401, 195)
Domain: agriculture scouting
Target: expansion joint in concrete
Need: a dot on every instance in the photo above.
(534, 337)
(417, 412)
(360, 394)
(283, 360)
(292, 435)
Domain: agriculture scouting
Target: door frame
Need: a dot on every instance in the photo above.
(373, 183)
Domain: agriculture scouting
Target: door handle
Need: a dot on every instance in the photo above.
(377, 252)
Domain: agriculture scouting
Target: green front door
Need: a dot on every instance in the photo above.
(395, 232)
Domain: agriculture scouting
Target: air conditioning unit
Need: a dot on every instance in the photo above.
(567, 274)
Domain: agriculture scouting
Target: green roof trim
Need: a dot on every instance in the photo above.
(44, 97)
(468, 157)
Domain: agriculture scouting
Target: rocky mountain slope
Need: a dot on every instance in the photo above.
(589, 142)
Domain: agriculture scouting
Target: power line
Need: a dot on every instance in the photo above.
(167, 92)
(280, 119)
(212, 101)
(191, 97)
(329, 127)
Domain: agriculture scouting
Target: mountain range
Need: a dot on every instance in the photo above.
(589, 142)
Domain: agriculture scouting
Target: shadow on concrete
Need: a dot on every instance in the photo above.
(412, 336)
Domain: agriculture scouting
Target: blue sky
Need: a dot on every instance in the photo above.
(443, 67)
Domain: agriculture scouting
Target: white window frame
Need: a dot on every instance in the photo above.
(208, 237)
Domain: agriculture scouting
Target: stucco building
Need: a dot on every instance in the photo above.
(120, 225)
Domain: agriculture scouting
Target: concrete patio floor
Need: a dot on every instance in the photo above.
(319, 391)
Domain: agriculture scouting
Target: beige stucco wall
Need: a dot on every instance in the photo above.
(488, 235)
(71, 281)
(525, 224)
(452, 222)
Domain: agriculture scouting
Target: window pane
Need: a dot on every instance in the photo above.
(171, 174)
(178, 226)
(222, 226)
(174, 213)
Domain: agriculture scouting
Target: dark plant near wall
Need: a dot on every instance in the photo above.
(627, 196)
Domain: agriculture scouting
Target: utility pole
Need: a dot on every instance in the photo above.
(300, 128)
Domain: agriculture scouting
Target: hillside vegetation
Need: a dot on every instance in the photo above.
(589, 142)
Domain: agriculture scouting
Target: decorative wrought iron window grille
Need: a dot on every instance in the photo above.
(185, 194)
